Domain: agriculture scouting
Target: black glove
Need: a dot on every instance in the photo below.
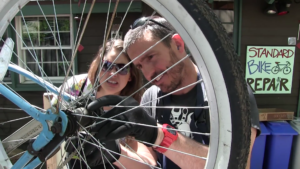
(111, 130)
(94, 157)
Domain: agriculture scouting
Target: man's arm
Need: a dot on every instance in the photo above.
(141, 153)
(253, 137)
(255, 129)
(190, 146)
(185, 145)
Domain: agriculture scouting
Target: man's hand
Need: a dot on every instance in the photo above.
(118, 127)
(98, 156)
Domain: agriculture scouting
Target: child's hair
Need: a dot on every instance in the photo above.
(136, 77)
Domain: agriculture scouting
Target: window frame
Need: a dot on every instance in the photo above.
(21, 48)
(237, 22)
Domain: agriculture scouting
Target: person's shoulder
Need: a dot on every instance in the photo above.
(152, 90)
(78, 79)
(79, 76)
(74, 83)
(149, 93)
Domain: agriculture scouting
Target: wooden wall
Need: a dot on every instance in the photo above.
(262, 29)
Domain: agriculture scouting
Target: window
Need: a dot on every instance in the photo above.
(225, 12)
(40, 44)
(227, 19)
(229, 13)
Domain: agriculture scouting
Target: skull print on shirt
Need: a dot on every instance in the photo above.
(181, 119)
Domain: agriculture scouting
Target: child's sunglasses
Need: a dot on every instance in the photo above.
(108, 66)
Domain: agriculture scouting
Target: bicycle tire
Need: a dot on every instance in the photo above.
(233, 76)
(288, 70)
(275, 70)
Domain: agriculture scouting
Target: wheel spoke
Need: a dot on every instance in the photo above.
(155, 78)
(5, 108)
(42, 165)
(103, 47)
(128, 146)
(32, 46)
(74, 53)
(59, 41)
(29, 52)
(78, 153)
(199, 81)
(15, 92)
(96, 86)
(16, 140)
(166, 107)
(133, 60)
(64, 152)
(105, 32)
(99, 145)
(2, 123)
(35, 55)
(102, 147)
(139, 124)
(26, 67)
(102, 156)
(58, 44)
(81, 145)
(204, 158)
(77, 34)
(123, 18)
(16, 155)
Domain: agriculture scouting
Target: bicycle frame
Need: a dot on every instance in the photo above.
(282, 66)
(46, 135)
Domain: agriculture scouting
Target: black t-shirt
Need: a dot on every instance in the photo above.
(184, 119)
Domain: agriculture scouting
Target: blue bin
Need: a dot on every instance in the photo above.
(258, 150)
(278, 145)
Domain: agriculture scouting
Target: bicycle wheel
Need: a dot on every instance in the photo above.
(286, 70)
(275, 70)
(214, 56)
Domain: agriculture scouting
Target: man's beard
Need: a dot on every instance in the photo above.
(174, 74)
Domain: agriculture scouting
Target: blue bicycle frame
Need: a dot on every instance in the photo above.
(46, 135)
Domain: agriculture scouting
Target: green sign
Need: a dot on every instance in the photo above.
(269, 69)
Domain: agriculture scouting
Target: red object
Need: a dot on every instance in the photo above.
(277, 62)
(79, 3)
(80, 48)
(169, 137)
(298, 45)
(283, 13)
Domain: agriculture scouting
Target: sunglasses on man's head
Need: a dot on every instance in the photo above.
(108, 66)
(141, 21)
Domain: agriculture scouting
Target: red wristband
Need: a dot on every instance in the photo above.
(170, 136)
